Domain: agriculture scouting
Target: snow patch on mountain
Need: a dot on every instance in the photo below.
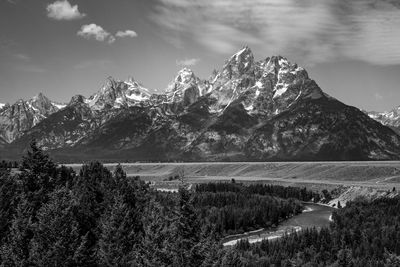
(117, 94)
(240, 53)
(259, 84)
(23, 115)
(389, 118)
(283, 62)
(137, 97)
(59, 106)
(281, 90)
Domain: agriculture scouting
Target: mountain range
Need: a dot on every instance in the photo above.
(248, 110)
(389, 118)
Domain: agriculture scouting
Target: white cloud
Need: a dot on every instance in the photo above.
(63, 10)
(378, 96)
(22, 57)
(97, 32)
(309, 31)
(126, 33)
(111, 39)
(187, 62)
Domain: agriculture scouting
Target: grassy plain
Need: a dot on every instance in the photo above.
(375, 174)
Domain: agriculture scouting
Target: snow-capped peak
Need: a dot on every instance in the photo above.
(136, 92)
(29, 114)
(388, 118)
(2, 105)
(58, 105)
(185, 87)
(41, 104)
(38, 97)
(245, 51)
(117, 94)
(134, 85)
(184, 79)
(241, 61)
(185, 76)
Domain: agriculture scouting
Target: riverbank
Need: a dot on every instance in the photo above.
(316, 215)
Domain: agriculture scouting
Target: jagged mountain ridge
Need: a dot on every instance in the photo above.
(23, 115)
(117, 94)
(248, 110)
(388, 118)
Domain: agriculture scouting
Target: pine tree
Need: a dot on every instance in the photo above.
(344, 258)
(158, 236)
(16, 250)
(119, 174)
(120, 235)
(85, 254)
(38, 171)
(56, 235)
(36, 179)
(9, 192)
(187, 231)
(232, 258)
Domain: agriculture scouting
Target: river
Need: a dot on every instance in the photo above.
(314, 215)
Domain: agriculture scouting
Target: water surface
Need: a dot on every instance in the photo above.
(314, 215)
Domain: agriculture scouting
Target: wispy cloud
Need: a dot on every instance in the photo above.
(310, 30)
(22, 57)
(13, 49)
(187, 62)
(63, 10)
(378, 96)
(97, 32)
(126, 33)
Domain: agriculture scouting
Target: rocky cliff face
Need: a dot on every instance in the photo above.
(388, 118)
(117, 94)
(23, 115)
(265, 87)
(248, 110)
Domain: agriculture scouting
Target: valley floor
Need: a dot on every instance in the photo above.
(377, 175)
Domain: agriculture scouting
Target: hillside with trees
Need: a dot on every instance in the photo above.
(53, 216)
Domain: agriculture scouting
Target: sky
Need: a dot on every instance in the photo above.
(68, 47)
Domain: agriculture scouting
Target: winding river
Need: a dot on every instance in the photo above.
(314, 215)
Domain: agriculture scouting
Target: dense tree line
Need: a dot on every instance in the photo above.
(8, 164)
(363, 234)
(52, 216)
(242, 211)
(261, 189)
(236, 208)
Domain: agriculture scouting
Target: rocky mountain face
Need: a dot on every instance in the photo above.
(248, 110)
(389, 118)
(23, 115)
(117, 94)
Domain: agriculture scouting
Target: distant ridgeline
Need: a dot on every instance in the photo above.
(249, 110)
